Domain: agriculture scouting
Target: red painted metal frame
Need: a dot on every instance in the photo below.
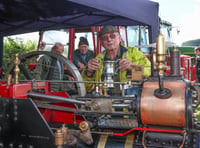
(93, 38)
(61, 116)
(20, 90)
(98, 41)
(71, 43)
(148, 129)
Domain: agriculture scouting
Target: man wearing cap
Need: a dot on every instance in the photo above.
(82, 55)
(49, 68)
(110, 40)
(197, 54)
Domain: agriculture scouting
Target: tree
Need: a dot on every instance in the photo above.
(11, 47)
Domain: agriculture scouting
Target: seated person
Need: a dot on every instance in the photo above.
(52, 69)
(197, 54)
(42, 46)
(82, 55)
(110, 40)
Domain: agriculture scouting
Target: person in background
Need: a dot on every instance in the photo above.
(82, 55)
(42, 46)
(197, 53)
(110, 40)
(49, 68)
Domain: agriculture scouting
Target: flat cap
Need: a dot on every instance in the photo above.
(107, 29)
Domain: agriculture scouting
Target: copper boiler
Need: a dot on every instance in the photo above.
(166, 112)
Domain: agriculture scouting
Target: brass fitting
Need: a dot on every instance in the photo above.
(9, 79)
(105, 87)
(16, 70)
(160, 48)
(59, 138)
(83, 126)
(154, 59)
(64, 130)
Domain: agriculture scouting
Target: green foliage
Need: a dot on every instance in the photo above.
(12, 47)
(198, 113)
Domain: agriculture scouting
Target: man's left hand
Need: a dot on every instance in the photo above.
(124, 64)
(81, 65)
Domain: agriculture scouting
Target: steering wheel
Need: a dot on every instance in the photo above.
(72, 68)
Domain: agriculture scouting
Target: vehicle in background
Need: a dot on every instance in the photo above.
(135, 36)
(188, 61)
(131, 36)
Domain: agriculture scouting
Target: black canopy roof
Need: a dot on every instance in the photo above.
(23, 16)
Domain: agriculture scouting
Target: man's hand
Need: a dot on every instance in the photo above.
(81, 65)
(193, 82)
(93, 65)
(124, 64)
(70, 78)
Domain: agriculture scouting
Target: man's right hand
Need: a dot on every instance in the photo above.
(93, 65)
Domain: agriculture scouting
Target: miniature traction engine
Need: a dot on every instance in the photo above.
(156, 112)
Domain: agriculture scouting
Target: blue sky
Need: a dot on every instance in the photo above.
(182, 13)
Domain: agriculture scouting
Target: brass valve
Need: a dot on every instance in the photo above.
(9, 79)
(160, 49)
(154, 59)
(16, 70)
(161, 92)
(105, 87)
(83, 126)
(59, 138)
(64, 130)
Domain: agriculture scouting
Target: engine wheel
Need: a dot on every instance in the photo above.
(71, 67)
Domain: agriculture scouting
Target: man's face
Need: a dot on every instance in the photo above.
(58, 50)
(197, 52)
(111, 41)
(83, 49)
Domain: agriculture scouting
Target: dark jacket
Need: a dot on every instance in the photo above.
(76, 57)
(47, 69)
(198, 69)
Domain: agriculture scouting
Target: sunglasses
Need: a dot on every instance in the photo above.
(106, 37)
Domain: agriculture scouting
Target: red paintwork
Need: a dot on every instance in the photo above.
(32, 66)
(20, 91)
(148, 129)
(4, 89)
(62, 116)
(189, 70)
(93, 38)
(193, 73)
(71, 45)
(98, 41)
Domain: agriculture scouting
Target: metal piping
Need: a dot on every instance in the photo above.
(54, 98)
(175, 62)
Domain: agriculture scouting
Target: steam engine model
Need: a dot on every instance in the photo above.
(157, 112)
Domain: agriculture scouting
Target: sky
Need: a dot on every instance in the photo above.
(184, 14)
